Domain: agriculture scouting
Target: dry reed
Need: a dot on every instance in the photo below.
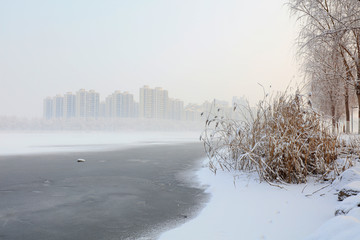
(284, 140)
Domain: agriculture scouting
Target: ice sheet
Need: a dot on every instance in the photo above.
(43, 142)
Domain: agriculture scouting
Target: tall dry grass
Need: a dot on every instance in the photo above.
(284, 140)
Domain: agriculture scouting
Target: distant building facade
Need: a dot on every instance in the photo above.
(69, 105)
(58, 107)
(48, 108)
(176, 109)
(120, 105)
(92, 104)
(146, 102)
(154, 103)
(81, 104)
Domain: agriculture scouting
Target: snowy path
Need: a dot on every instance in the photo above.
(256, 211)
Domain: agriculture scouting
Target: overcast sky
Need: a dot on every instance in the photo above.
(196, 49)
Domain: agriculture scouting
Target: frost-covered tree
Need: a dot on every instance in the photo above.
(328, 86)
(336, 22)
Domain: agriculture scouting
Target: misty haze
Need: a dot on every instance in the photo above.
(172, 120)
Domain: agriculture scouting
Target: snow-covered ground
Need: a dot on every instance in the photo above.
(252, 210)
(43, 142)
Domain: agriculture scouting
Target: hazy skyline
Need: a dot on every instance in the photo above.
(197, 50)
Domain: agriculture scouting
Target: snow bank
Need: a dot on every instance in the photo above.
(21, 143)
(348, 204)
(338, 228)
(253, 210)
(348, 176)
(353, 186)
(346, 225)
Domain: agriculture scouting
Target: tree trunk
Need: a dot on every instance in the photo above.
(347, 110)
(333, 120)
(357, 88)
(357, 85)
(358, 98)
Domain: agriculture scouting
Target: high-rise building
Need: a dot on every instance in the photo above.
(92, 104)
(87, 104)
(108, 106)
(146, 102)
(117, 99)
(206, 106)
(128, 105)
(154, 103)
(160, 103)
(120, 105)
(48, 108)
(69, 105)
(193, 112)
(176, 109)
(81, 104)
(58, 106)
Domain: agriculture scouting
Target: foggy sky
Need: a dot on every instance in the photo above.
(196, 49)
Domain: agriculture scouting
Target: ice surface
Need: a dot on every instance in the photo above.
(21, 143)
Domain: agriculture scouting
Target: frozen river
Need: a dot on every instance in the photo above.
(130, 187)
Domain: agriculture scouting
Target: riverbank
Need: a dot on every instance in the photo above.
(244, 208)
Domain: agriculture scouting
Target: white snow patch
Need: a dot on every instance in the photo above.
(348, 203)
(253, 210)
(338, 228)
(353, 186)
(346, 226)
(44, 142)
(355, 212)
(348, 176)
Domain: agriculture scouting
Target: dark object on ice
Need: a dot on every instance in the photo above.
(81, 160)
(345, 193)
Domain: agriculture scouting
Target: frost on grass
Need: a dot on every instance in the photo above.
(283, 140)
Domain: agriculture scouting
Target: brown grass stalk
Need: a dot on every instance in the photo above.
(284, 140)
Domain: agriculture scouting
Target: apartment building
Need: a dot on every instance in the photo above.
(48, 108)
(154, 103)
(81, 104)
(58, 107)
(128, 105)
(146, 102)
(69, 105)
(120, 105)
(92, 104)
(176, 109)
(160, 103)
